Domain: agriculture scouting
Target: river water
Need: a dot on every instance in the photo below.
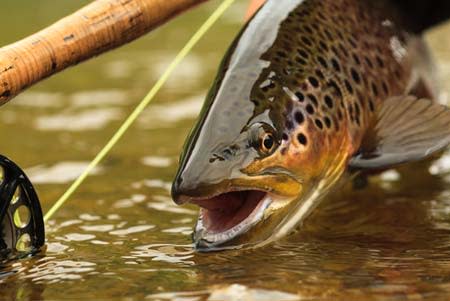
(121, 237)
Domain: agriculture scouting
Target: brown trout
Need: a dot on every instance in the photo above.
(309, 93)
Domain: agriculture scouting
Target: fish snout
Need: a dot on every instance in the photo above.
(179, 191)
(185, 189)
(201, 179)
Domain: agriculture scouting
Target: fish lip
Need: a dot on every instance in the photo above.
(206, 241)
(185, 199)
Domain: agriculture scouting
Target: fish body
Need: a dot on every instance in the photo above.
(309, 92)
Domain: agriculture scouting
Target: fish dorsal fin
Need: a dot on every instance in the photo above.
(405, 129)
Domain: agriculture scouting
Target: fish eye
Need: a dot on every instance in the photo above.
(267, 143)
(263, 138)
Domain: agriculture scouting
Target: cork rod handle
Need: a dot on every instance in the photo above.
(96, 28)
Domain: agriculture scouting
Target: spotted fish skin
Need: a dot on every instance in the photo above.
(313, 73)
(328, 72)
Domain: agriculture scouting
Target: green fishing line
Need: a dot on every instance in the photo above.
(142, 105)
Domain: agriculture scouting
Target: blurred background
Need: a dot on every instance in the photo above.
(121, 235)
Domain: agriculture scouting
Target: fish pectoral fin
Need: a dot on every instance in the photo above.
(404, 129)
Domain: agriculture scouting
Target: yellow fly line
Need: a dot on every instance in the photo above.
(142, 105)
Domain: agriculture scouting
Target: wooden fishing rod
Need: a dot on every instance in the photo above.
(94, 29)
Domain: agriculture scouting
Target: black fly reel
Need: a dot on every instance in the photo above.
(21, 222)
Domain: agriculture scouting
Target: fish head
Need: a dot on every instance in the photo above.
(255, 159)
(249, 163)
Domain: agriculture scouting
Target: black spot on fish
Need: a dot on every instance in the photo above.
(374, 89)
(318, 123)
(336, 65)
(320, 74)
(328, 101)
(334, 50)
(335, 87)
(343, 50)
(307, 29)
(313, 99)
(356, 59)
(321, 16)
(310, 109)
(313, 81)
(385, 88)
(323, 46)
(285, 136)
(327, 122)
(368, 62)
(300, 96)
(300, 60)
(315, 26)
(352, 42)
(306, 41)
(340, 116)
(303, 53)
(299, 118)
(355, 76)
(348, 86)
(322, 61)
(350, 110)
(302, 139)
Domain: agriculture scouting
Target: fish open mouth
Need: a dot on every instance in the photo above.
(225, 216)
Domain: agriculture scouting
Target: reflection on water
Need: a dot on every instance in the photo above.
(158, 116)
(93, 119)
(121, 236)
(61, 172)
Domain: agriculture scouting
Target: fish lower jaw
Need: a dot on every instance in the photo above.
(210, 239)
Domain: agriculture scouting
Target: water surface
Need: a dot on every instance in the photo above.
(121, 237)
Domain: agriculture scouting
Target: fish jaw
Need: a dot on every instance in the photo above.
(251, 228)
(237, 208)
(210, 234)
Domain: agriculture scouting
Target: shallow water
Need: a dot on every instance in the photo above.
(121, 237)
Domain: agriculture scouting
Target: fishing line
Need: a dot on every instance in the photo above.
(141, 106)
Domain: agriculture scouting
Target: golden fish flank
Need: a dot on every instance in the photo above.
(308, 90)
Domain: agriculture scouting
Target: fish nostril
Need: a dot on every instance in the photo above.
(216, 157)
(181, 190)
(176, 190)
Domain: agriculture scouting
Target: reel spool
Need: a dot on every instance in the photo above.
(21, 221)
